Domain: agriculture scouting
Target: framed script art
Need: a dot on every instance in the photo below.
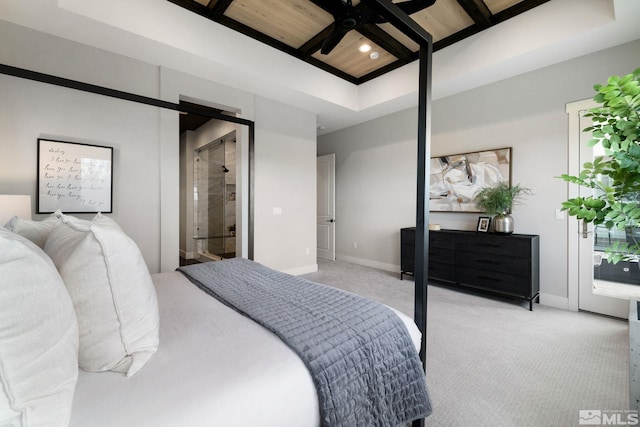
(456, 179)
(73, 177)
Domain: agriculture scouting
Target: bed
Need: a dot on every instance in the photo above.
(186, 359)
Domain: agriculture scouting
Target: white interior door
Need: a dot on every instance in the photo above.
(599, 295)
(326, 207)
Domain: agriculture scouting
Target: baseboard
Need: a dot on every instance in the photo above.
(302, 270)
(554, 301)
(187, 255)
(369, 263)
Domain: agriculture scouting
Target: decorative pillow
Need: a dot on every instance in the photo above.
(112, 292)
(36, 231)
(38, 337)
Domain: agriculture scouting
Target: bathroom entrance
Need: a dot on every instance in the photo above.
(214, 198)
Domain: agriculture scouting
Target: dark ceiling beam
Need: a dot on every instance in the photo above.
(478, 11)
(475, 8)
(402, 21)
(335, 71)
(322, 5)
(495, 19)
(380, 37)
(314, 44)
(456, 37)
(517, 9)
(217, 8)
(191, 5)
(255, 34)
(384, 70)
(261, 37)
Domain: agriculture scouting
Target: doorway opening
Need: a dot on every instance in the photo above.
(215, 185)
(594, 284)
(214, 199)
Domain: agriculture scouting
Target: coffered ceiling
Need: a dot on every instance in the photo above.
(306, 28)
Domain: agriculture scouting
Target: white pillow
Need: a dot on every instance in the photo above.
(38, 337)
(36, 231)
(112, 292)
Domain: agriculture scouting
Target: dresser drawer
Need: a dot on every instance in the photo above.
(441, 240)
(444, 256)
(497, 245)
(441, 271)
(408, 236)
(493, 262)
(407, 264)
(495, 281)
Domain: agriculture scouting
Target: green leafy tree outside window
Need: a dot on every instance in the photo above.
(615, 177)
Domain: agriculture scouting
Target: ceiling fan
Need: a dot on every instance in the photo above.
(348, 17)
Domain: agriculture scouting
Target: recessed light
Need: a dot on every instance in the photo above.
(364, 48)
(374, 55)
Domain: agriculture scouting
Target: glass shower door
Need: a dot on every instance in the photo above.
(209, 197)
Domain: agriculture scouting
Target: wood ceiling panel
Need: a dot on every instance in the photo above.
(292, 22)
(443, 19)
(349, 59)
(496, 6)
(299, 27)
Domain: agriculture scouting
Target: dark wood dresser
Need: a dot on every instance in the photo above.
(506, 264)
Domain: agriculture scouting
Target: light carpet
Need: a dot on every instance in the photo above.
(492, 362)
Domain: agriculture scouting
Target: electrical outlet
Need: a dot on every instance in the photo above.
(355, 245)
(559, 214)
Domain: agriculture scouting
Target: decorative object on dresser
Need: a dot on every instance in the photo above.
(483, 224)
(456, 179)
(498, 201)
(504, 264)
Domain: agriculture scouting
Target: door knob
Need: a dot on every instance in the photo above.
(331, 220)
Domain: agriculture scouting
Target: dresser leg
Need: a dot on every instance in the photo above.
(535, 298)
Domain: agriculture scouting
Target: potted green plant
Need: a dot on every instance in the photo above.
(498, 201)
(615, 177)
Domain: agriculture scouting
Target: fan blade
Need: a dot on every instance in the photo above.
(332, 40)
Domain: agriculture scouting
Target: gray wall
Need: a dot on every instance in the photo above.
(376, 161)
(285, 188)
(146, 141)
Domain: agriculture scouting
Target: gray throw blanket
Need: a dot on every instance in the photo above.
(363, 363)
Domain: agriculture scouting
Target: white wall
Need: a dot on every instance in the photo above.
(285, 187)
(146, 142)
(376, 161)
(40, 110)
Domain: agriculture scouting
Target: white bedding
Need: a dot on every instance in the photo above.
(214, 367)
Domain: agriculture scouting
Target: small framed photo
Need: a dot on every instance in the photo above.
(483, 224)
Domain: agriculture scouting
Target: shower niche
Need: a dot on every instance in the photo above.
(214, 199)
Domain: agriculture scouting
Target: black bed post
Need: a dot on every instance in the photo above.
(411, 29)
(422, 203)
(422, 200)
